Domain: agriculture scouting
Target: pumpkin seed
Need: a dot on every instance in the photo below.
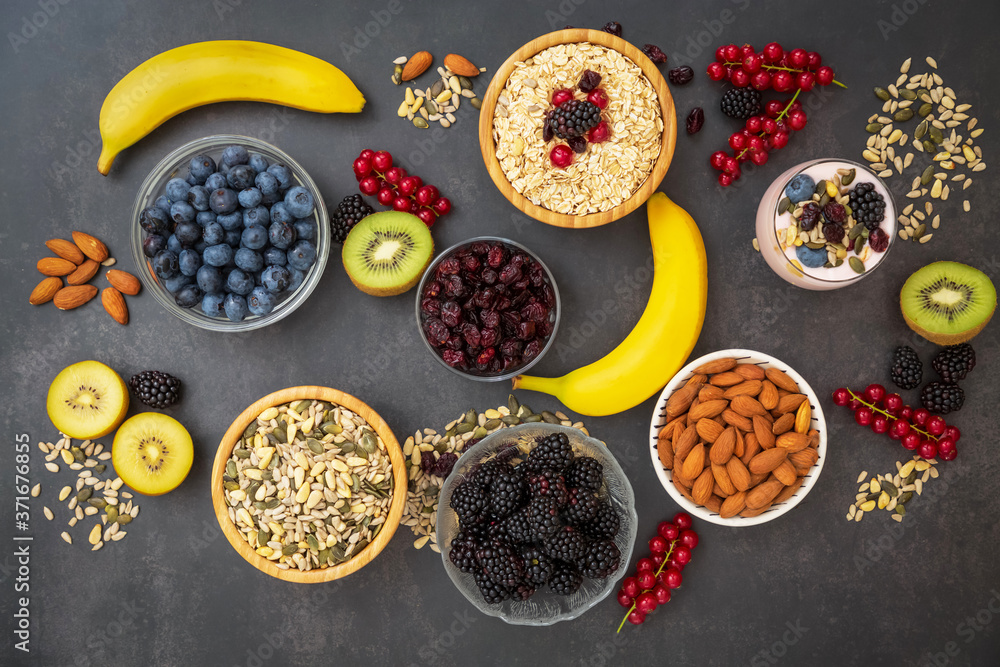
(510, 420)
(903, 115)
(250, 430)
(929, 146)
(420, 122)
(784, 205)
(368, 442)
(492, 424)
(100, 503)
(315, 446)
(476, 103)
(821, 187)
(848, 178)
(873, 128)
(312, 542)
(882, 94)
(112, 513)
(464, 427)
(935, 134)
(816, 246)
(241, 453)
(855, 231)
(85, 494)
(856, 264)
(100, 467)
(533, 419)
(908, 94)
(919, 231)
(549, 418)
(925, 109)
(289, 549)
(231, 485)
(347, 447)
(231, 469)
(921, 130)
(512, 404)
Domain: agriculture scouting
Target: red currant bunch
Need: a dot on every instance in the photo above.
(392, 186)
(659, 573)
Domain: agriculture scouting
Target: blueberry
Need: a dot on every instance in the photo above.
(301, 255)
(235, 307)
(266, 183)
(299, 201)
(305, 230)
(165, 264)
(177, 189)
(256, 216)
(205, 217)
(222, 200)
(198, 197)
(189, 262)
(275, 257)
(153, 220)
(190, 179)
(212, 305)
(258, 162)
(281, 234)
(163, 204)
(199, 246)
(279, 213)
(218, 255)
(213, 234)
(282, 173)
(181, 211)
(800, 188)
(173, 285)
(270, 199)
(238, 282)
(233, 239)
(298, 277)
(254, 237)
(201, 167)
(223, 169)
(215, 181)
(249, 197)
(209, 278)
(240, 177)
(249, 260)
(231, 221)
(233, 155)
(275, 278)
(154, 243)
(174, 244)
(260, 301)
(188, 296)
(188, 233)
(813, 258)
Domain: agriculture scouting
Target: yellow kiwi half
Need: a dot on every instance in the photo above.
(152, 453)
(87, 400)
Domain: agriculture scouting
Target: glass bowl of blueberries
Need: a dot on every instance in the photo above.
(229, 233)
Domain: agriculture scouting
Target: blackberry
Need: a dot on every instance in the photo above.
(501, 563)
(867, 206)
(492, 593)
(349, 212)
(953, 363)
(604, 525)
(468, 501)
(538, 566)
(548, 484)
(942, 397)
(581, 508)
(543, 515)
(565, 579)
(506, 494)
(906, 371)
(518, 526)
(585, 473)
(741, 103)
(601, 559)
(463, 552)
(156, 389)
(489, 471)
(522, 592)
(553, 452)
(574, 118)
(567, 544)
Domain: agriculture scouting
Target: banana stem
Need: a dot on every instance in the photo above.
(532, 383)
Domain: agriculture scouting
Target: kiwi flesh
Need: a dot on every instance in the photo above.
(947, 302)
(87, 400)
(152, 453)
(386, 253)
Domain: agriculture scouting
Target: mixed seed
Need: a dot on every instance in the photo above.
(925, 99)
(471, 427)
(116, 507)
(439, 102)
(309, 485)
(891, 492)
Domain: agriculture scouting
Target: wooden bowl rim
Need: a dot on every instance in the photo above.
(667, 143)
(359, 407)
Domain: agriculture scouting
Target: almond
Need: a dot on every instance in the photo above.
(721, 475)
(709, 430)
(66, 250)
(716, 366)
(745, 388)
(74, 296)
(804, 459)
(727, 379)
(45, 290)
(55, 266)
(90, 246)
(748, 406)
(803, 417)
(710, 393)
(751, 449)
(83, 273)
(701, 490)
(750, 371)
(722, 448)
(783, 424)
(708, 409)
(768, 395)
(460, 65)
(114, 303)
(713, 504)
(749, 513)
(680, 401)
(764, 493)
(781, 380)
(694, 462)
(785, 472)
(767, 460)
(417, 65)
(697, 379)
(790, 402)
(679, 485)
(740, 447)
(683, 443)
(737, 420)
(124, 282)
(733, 505)
(738, 474)
(792, 441)
(789, 491)
(763, 432)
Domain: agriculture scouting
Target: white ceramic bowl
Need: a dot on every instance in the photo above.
(659, 420)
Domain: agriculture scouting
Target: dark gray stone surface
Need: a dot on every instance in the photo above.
(175, 593)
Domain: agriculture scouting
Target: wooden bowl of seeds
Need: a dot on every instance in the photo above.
(309, 484)
(613, 176)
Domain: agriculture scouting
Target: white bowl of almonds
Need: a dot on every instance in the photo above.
(738, 438)
(309, 484)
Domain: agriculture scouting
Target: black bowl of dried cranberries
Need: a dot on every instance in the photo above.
(488, 308)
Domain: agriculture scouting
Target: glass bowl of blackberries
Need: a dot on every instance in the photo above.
(536, 523)
(229, 233)
(488, 308)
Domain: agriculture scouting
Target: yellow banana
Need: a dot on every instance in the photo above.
(205, 72)
(665, 334)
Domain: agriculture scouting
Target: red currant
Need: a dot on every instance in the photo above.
(900, 428)
(893, 403)
(920, 416)
(746, 50)
(805, 81)
(561, 96)
(782, 81)
(773, 108)
(737, 141)
(905, 412)
(720, 54)
(797, 58)
(725, 180)
(409, 185)
(561, 156)
(875, 393)
(740, 78)
(658, 545)
(759, 158)
(880, 424)
(646, 602)
(863, 416)
(442, 205)
(689, 538)
(773, 52)
(386, 196)
(946, 449)
(636, 617)
(367, 154)
(935, 425)
(658, 559)
(761, 80)
(427, 215)
(716, 72)
(667, 531)
(368, 185)
(753, 62)
(662, 594)
(401, 204)
(928, 449)
(362, 167)
(841, 396)
(912, 441)
(414, 206)
(779, 139)
(755, 144)
(682, 520)
(624, 599)
(598, 98)
(646, 580)
(671, 578)
(382, 161)
(599, 133)
(682, 554)
(797, 120)
(643, 565)
(427, 195)
(813, 60)
(395, 175)
(824, 76)
(753, 124)
(732, 166)
(732, 53)
(717, 159)
(952, 432)
(631, 587)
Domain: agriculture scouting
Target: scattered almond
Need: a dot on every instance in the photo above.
(45, 290)
(90, 246)
(417, 65)
(55, 266)
(74, 296)
(124, 282)
(66, 250)
(87, 270)
(459, 65)
(114, 303)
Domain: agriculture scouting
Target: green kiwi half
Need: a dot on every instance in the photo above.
(386, 253)
(948, 302)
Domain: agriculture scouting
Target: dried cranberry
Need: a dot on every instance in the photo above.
(489, 318)
(521, 288)
(510, 273)
(427, 461)
(495, 365)
(614, 27)
(578, 144)
(488, 337)
(654, 53)
(809, 217)
(526, 330)
(432, 289)
(489, 276)
(454, 358)
(479, 248)
(835, 212)
(695, 120)
(471, 263)
(495, 257)
(471, 335)
(444, 464)
(451, 314)
(485, 357)
(544, 328)
(833, 232)
(590, 80)
(437, 332)
(878, 240)
(547, 133)
(511, 362)
(455, 287)
(430, 307)
(511, 347)
(680, 75)
(503, 302)
(484, 298)
(532, 350)
(535, 312)
(548, 295)
(448, 266)
(511, 318)
(455, 343)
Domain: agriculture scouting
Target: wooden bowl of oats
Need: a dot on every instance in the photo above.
(309, 484)
(610, 178)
